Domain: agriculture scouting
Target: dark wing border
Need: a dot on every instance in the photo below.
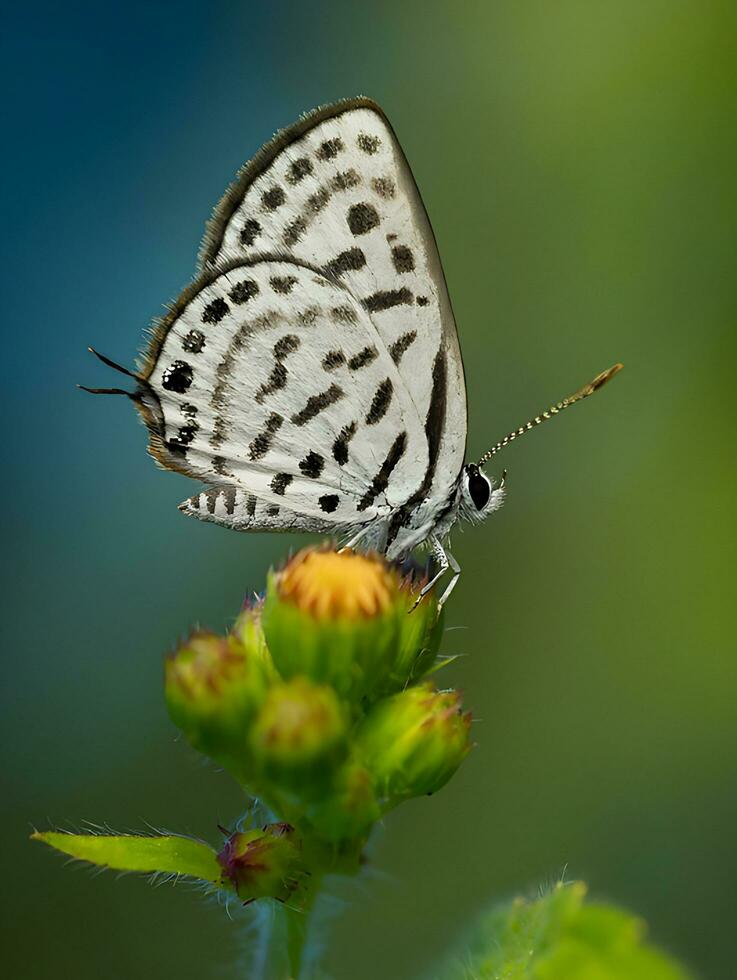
(258, 164)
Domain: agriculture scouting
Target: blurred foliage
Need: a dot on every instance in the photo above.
(577, 160)
(559, 937)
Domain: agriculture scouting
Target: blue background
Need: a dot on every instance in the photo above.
(578, 163)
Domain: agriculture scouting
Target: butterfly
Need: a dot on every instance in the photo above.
(311, 374)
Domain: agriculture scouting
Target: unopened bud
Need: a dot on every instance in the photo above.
(414, 741)
(262, 863)
(214, 686)
(299, 735)
(336, 617)
(420, 632)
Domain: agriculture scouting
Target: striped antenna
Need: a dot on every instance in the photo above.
(589, 389)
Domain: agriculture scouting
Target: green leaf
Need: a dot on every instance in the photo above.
(560, 937)
(172, 855)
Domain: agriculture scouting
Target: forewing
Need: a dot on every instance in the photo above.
(335, 191)
(270, 377)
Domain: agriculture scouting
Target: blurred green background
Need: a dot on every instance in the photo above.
(578, 163)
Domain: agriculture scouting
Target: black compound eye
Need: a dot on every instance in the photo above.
(478, 488)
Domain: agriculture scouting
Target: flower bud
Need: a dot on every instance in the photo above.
(414, 741)
(350, 810)
(214, 686)
(335, 617)
(249, 632)
(262, 863)
(299, 735)
(420, 632)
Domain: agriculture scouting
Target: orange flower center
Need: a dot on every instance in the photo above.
(333, 584)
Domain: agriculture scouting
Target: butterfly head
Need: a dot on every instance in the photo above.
(479, 495)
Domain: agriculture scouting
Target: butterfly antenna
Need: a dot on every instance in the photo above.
(589, 389)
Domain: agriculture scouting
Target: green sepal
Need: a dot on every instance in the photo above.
(353, 655)
(420, 632)
(122, 852)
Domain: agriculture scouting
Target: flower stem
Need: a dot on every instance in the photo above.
(284, 934)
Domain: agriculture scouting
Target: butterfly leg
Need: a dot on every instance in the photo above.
(445, 561)
(456, 569)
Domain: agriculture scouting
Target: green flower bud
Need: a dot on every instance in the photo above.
(413, 742)
(299, 735)
(262, 863)
(336, 617)
(350, 810)
(420, 632)
(248, 631)
(214, 686)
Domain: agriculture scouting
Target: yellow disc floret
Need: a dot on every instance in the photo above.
(339, 584)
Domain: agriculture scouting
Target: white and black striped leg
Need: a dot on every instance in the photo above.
(442, 559)
(456, 569)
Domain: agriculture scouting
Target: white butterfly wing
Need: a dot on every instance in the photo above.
(335, 191)
(269, 379)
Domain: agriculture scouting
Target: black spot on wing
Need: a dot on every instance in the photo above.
(277, 381)
(215, 311)
(385, 299)
(272, 510)
(243, 291)
(317, 201)
(273, 198)
(351, 260)
(287, 344)
(193, 342)
(362, 358)
(317, 403)
(177, 377)
(402, 258)
(343, 314)
(384, 187)
(345, 180)
(422, 300)
(312, 465)
(229, 499)
(362, 218)
(250, 505)
(262, 443)
(381, 481)
(401, 344)
(188, 411)
(381, 401)
(294, 231)
(340, 446)
(308, 317)
(280, 482)
(333, 359)
(250, 231)
(329, 502)
(369, 144)
(330, 149)
(282, 284)
(187, 433)
(299, 169)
